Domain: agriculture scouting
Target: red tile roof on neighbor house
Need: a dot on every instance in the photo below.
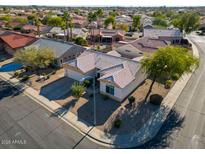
(16, 40)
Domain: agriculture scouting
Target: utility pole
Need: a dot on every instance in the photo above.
(94, 101)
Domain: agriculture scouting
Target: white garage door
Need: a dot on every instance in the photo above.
(74, 75)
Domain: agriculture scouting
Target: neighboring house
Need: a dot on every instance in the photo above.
(145, 22)
(33, 29)
(106, 36)
(149, 44)
(12, 41)
(173, 35)
(128, 51)
(79, 21)
(117, 76)
(63, 51)
(13, 24)
(2, 24)
(58, 33)
(140, 46)
(124, 19)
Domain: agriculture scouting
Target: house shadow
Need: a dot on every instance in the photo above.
(104, 109)
(173, 122)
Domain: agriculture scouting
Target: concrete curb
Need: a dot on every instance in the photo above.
(144, 134)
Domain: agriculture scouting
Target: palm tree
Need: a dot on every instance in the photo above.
(92, 16)
(70, 25)
(63, 27)
(99, 14)
(66, 17)
(37, 23)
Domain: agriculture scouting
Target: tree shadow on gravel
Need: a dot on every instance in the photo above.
(173, 123)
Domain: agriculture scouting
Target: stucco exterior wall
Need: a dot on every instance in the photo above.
(121, 93)
(76, 75)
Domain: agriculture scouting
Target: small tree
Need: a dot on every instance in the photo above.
(136, 22)
(122, 26)
(159, 22)
(34, 58)
(55, 21)
(187, 22)
(81, 41)
(110, 20)
(166, 62)
(77, 90)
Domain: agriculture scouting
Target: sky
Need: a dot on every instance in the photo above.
(105, 2)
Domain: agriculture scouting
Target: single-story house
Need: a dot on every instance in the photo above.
(127, 51)
(12, 41)
(117, 76)
(173, 35)
(79, 21)
(13, 24)
(63, 51)
(33, 29)
(145, 22)
(59, 33)
(106, 36)
(124, 19)
(2, 24)
(140, 46)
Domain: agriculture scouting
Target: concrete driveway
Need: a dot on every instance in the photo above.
(57, 89)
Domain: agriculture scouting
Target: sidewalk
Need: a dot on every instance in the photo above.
(144, 134)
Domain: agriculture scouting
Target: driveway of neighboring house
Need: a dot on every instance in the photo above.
(57, 89)
(37, 85)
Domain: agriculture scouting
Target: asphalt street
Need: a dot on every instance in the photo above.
(185, 125)
(26, 124)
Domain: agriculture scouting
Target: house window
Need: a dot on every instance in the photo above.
(110, 89)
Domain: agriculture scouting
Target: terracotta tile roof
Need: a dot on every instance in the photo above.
(16, 40)
(14, 24)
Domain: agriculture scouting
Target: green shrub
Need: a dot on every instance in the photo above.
(156, 99)
(168, 84)
(17, 28)
(81, 41)
(86, 83)
(131, 99)
(117, 123)
(175, 77)
(77, 90)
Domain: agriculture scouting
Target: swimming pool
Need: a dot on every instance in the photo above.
(10, 67)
